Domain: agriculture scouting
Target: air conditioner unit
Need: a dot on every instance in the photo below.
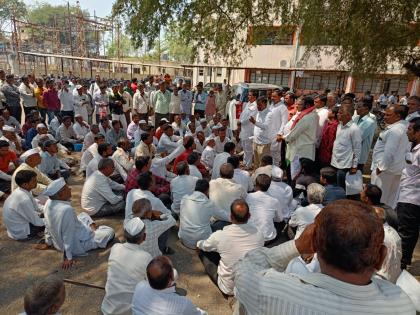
(284, 63)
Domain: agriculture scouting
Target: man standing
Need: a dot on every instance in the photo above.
(247, 128)
(408, 207)
(223, 249)
(186, 100)
(141, 103)
(413, 104)
(12, 96)
(67, 101)
(347, 144)
(51, 100)
(161, 103)
(73, 235)
(200, 99)
(27, 95)
(367, 128)
(116, 103)
(278, 118)
(81, 102)
(262, 127)
(388, 159)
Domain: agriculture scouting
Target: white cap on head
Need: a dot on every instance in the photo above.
(54, 187)
(165, 120)
(142, 121)
(78, 115)
(203, 120)
(276, 173)
(28, 153)
(9, 128)
(40, 126)
(133, 226)
(215, 127)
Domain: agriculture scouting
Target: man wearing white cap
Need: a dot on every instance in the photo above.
(281, 191)
(127, 265)
(31, 159)
(20, 210)
(143, 127)
(81, 102)
(168, 141)
(204, 127)
(71, 234)
(14, 140)
(80, 126)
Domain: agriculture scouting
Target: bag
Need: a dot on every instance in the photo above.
(354, 183)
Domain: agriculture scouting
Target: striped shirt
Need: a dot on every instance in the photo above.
(261, 287)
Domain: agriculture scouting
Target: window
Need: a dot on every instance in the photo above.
(270, 77)
(321, 81)
(200, 72)
(136, 70)
(219, 72)
(209, 71)
(274, 35)
(379, 85)
(375, 86)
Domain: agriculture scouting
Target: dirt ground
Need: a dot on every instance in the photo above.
(21, 265)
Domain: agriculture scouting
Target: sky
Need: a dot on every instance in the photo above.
(101, 7)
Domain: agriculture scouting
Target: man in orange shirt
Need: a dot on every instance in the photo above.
(39, 99)
(6, 156)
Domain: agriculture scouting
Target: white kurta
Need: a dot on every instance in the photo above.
(68, 234)
(219, 159)
(181, 186)
(135, 194)
(127, 265)
(20, 209)
(224, 191)
(304, 216)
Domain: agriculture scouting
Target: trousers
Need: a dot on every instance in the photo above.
(408, 228)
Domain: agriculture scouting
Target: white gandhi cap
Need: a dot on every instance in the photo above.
(54, 187)
(134, 226)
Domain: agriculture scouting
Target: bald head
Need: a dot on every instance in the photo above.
(239, 211)
(160, 273)
(226, 171)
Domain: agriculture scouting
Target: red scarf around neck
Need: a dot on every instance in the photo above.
(302, 114)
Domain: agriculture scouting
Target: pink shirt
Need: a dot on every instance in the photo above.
(210, 105)
(51, 100)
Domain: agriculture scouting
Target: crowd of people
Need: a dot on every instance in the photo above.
(162, 156)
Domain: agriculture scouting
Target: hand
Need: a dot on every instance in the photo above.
(353, 170)
(93, 226)
(156, 214)
(304, 243)
(378, 171)
(279, 138)
(67, 264)
(252, 119)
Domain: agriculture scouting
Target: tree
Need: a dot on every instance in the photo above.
(9, 9)
(366, 36)
(126, 48)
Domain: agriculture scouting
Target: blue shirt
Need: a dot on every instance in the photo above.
(200, 101)
(332, 193)
(29, 137)
(367, 128)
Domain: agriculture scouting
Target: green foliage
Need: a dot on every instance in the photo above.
(126, 47)
(9, 8)
(367, 35)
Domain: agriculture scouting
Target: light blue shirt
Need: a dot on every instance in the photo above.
(50, 164)
(200, 101)
(367, 128)
(186, 101)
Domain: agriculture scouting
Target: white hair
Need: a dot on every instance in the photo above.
(316, 193)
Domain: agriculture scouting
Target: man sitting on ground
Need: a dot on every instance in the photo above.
(91, 152)
(221, 158)
(223, 249)
(7, 156)
(157, 296)
(127, 265)
(158, 227)
(281, 191)
(66, 135)
(31, 159)
(196, 213)
(181, 185)
(332, 190)
(115, 133)
(146, 146)
(266, 167)
(241, 177)
(46, 296)
(71, 234)
(264, 209)
(223, 191)
(193, 161)
(98, 197)
(21, 213)
(50, 165)
(80, 127)
(348, 239)
(121, 156)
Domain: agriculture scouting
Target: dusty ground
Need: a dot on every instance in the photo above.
(21, 265)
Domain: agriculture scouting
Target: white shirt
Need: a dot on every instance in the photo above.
(88, 140)
(175, 104)
(180, 186)
(347, 146)
(264, 210)
(179, 128)
(224, 191)
(97, 191)
(194, 171)
(147, 301)
(27, 95)
(284, 194)
(323, 116)
(135, 194)
(66, 100)
(123, 159)
(277, 119)
(220, 159)
(391, 266)
(262, 132)
(207, 157)
(410, 178)
(88, 155)
(194, 220)
(220, 145)
(168, 143)
(303, 216)
(198, 146)
(232, 243)
(390, 149)
(140, 103)
(243, 178)
(247, 128)
(262, 287)
(20, 209)
(127, 265)
(154, 229)
(159, 163)
(367, 128)
(81, 131)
